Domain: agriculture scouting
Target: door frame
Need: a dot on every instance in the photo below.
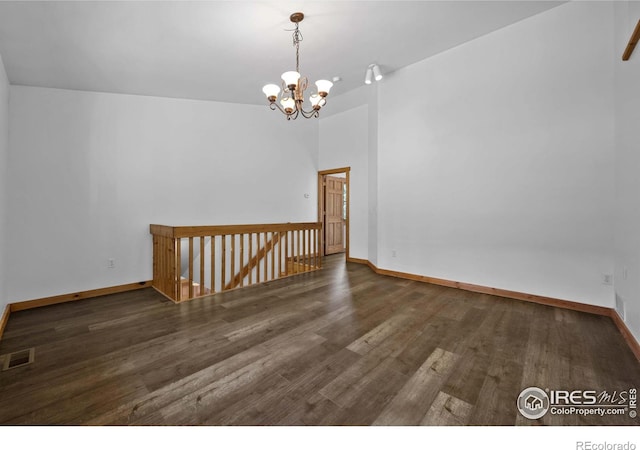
(321, 175)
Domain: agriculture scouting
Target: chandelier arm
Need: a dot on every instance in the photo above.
(274, 105)
(310, 114)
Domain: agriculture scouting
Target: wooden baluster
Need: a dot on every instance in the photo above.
(241, 260)
(304, 253)
(257, 259)
(224, 262)
(285, 244)
(273, 255)
(318, 259)
(301, 245)
(201, 266)
(166, 269)
(315, 255)
(160, 247)
(266, 273)
(178, 268)
(169, 259)
(250, 259)
(286, 252)
(233, 261)
(171, 268)
(298, 241)
(308, 249)
(319, 239)
(157, 262)
(280, 254)
(190, 267)
(294, 251)
(213, 264)
(307, 256)
(164, 273)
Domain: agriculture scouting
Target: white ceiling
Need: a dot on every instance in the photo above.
(226, 51)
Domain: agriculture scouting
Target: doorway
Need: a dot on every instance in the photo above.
(333, 210)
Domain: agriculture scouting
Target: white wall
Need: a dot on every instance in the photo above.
(362, 106)
(627, 171)
(495, 159)
(91, 171)
(4, 152)
(373, 173)
(344, 143)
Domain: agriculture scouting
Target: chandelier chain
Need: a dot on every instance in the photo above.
(297, 37)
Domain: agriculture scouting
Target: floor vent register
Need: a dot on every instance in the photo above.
(18, 359)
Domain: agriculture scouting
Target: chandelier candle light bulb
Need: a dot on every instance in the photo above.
(271, 91)
(316, 100)
(294, 85)
(324, 86)
(291, 79)
(288, 104)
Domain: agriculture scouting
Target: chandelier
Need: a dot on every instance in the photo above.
(294, 85)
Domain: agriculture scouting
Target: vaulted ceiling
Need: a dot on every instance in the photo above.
(226, 51)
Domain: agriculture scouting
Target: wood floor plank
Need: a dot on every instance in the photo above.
(467, 379)
(371, 395)
(496, 397)
(379, 334)
(306, 386)
(139, 410)
(209, 400)
(447, 410)
(348, 385)
(318, 410)
(100, 397)
(272, 406)
(415, 398)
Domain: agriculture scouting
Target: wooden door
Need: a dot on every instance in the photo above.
(334, 215)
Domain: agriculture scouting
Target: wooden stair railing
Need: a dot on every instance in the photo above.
(225, 257)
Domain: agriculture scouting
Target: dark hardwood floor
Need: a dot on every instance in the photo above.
(342, 346)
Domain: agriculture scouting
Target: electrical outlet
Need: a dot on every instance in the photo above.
(111, 263)
(393, 253)
(607, 279)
